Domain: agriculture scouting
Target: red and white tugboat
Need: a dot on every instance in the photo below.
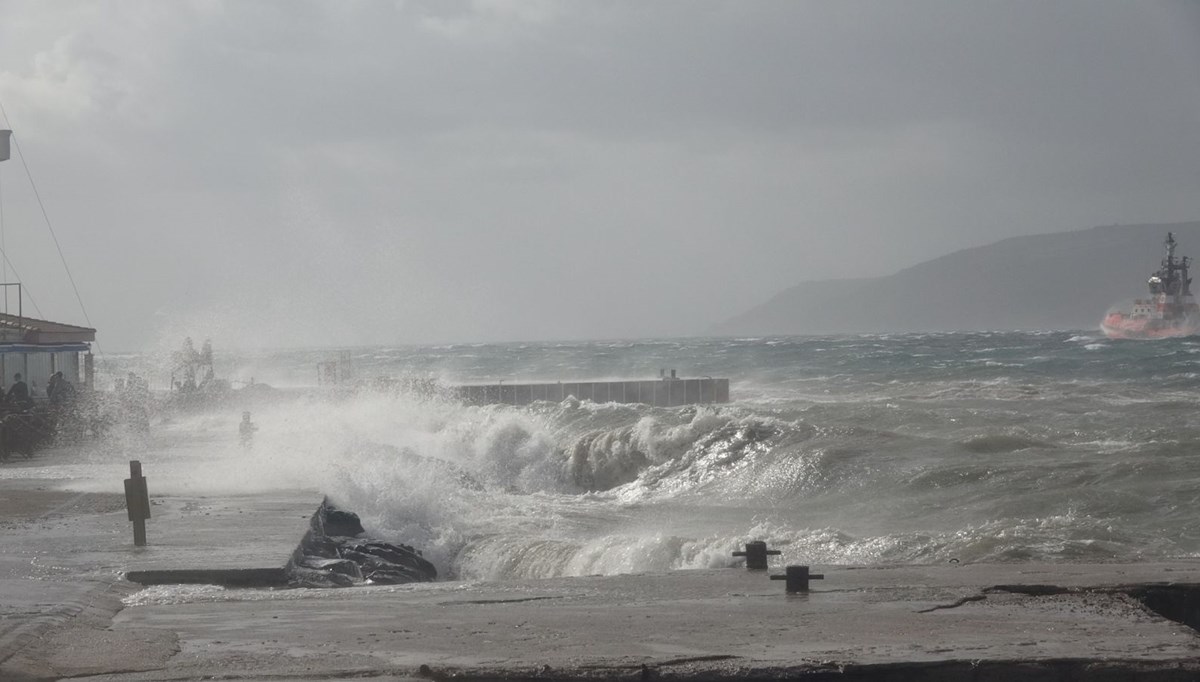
(1170, 310)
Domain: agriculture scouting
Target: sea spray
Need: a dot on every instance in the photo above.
(858, 449)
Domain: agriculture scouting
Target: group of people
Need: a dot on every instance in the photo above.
(26, 426)
(59, 392)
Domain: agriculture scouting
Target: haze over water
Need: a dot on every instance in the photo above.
(847, 450)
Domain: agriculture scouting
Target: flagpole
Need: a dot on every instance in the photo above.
(4, 156)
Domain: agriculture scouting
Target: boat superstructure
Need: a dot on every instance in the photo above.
(1170, 311)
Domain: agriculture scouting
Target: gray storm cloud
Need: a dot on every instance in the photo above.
(297, 173)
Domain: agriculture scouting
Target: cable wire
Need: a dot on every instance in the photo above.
(49, 226)
(8, 264)
(24, 288)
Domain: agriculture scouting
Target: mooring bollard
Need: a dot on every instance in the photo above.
(137, 501)
(756, 555)
(797, 578)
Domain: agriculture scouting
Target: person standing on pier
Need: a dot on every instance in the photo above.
(60, 392)
(246, 431)
(18, 393)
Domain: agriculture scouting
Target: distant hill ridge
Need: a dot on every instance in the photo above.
(1065, 280)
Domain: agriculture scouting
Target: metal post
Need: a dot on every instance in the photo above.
(756, 555)
(797, 578)
(137, 502)
(20, 301)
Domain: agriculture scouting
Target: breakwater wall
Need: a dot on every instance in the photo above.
(660, 393)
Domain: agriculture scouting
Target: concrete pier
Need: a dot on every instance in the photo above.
(67, 614)
(667, 392)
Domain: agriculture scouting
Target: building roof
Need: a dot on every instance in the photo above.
(14, 329)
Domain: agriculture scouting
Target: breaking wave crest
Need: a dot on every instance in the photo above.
(852, 450)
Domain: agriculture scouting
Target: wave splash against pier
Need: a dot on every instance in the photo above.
(860, 450)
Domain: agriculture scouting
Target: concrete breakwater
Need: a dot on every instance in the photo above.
(666, 392)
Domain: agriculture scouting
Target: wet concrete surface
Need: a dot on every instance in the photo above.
(238, 541)
(67, 553)
(711, 623)
(67, 611)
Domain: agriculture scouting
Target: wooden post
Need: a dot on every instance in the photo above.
(137, 501)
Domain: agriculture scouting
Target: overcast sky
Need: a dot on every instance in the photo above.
(296, 173)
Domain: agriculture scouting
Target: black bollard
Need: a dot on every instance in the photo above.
(756, 555)
(797, 578)
(137, 501)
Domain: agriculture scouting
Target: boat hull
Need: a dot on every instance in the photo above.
(1117, 326)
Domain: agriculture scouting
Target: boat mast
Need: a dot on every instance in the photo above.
(1174, 274)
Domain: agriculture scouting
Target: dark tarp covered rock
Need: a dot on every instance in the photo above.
(345, 567)
(336, 553)
(331, 521)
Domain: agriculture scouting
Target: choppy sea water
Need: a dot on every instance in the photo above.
(869, 449)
